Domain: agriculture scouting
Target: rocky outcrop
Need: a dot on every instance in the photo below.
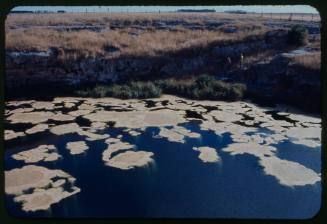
(283, 80)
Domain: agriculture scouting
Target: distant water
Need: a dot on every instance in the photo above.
(178, 183)
(252, 8)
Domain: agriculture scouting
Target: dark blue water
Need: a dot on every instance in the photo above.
(178, 184)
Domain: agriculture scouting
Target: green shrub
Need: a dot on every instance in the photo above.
(204, 87)
(298, 35)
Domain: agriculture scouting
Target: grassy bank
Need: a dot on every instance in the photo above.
(204, 87)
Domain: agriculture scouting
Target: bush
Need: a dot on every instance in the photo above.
(125, 91)
(298, 35)
(204, 87)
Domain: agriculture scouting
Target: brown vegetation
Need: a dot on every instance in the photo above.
(311, 62)
(90, 43)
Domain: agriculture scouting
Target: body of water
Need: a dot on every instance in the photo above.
(177, 184)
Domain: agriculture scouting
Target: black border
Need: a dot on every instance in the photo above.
(6, 6)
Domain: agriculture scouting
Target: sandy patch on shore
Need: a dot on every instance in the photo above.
(41, 153)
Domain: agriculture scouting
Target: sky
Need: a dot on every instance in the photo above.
(252, 8)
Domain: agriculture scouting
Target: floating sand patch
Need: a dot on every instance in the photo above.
(77, 147)
(289, 173)
(225, 127)
(39, 179)
(130, 159)
(98, 125)
(207, 154)
(71, 128)
(65, 129)
(42, 199)
(40, 153)
(62, 117)
(85, 106)
(177, 134)
(310, 136)
(132, 132)
(92, 136)
(31, 117)
(31, 177)
(20, 110)
(69, 105)
(37, 128)
(10, 134)
(307, 142)
(305, 118)
(304, 133)
(115, 145)
(226, 116)
(77, 113)
(138, 119)
(19, 103)
(39, 105)
(251, 148)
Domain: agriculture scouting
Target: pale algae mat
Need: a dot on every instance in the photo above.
(162, 157)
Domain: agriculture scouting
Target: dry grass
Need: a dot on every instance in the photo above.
(310, 62)
(89, 43)
(38, 32)
(106, 18)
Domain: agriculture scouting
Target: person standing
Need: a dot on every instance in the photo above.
(241, 61)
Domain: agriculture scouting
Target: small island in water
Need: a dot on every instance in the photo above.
(188, 114)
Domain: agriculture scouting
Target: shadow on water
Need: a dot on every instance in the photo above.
(176, 184)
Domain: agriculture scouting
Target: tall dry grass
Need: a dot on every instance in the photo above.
(312, 61)
(105, 18)
(85, 42)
